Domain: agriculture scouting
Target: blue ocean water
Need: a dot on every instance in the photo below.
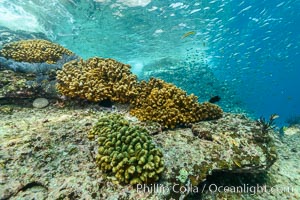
(251, 47)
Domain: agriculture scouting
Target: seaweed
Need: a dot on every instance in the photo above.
(265, 125)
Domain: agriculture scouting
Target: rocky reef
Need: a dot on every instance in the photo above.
(228, 144)
(137, 149)
(99, 79)
(46, 153)
(17, 85)
(126, 150)
(170, 106)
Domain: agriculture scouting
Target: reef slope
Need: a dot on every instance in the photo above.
(45, 154)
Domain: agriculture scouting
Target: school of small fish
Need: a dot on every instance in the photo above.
(251, 45)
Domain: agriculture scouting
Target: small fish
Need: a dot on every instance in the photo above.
(188, 34)
(214, 99)
(245, 9)
(274, 116)
(237, 163)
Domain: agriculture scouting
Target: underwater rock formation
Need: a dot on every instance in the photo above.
(40, 103)
(169, 105)
(14, 85)
(10, 82)
(228, 144)
(51, 147)
(127, 151)
(97, 79)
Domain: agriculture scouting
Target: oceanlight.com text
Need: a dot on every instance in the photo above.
(250, 189)
(213, 188)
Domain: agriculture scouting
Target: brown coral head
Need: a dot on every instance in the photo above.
(97, 79)
(34, 51)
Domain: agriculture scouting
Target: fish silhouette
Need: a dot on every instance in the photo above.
(214, 99)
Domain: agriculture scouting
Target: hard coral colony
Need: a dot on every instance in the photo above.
(99, 79)
(170, 106)
(127, 151)
(34, 51)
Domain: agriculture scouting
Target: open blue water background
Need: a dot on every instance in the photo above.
(252, 47)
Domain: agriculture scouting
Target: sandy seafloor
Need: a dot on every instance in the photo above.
(45, 154)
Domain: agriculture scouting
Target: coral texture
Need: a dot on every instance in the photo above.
(127, 151)
(100, 79)
(168, 105)
(34, 51)
(11, 82)
(97, 79)
(17, 85)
